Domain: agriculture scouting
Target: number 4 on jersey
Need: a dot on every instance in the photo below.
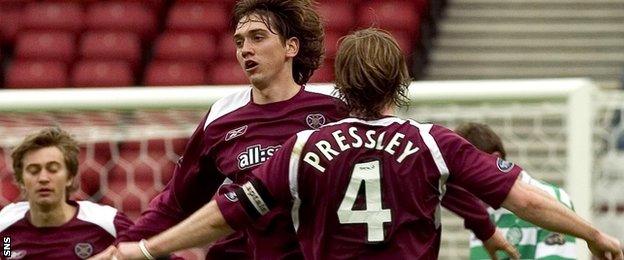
(368, 174)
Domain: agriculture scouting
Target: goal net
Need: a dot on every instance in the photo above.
(131, 137)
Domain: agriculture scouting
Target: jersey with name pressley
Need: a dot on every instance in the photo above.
(368, 189)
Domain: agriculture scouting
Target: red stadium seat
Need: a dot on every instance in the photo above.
(89, 179)
(58, 46)
(89, 73)
(227, 49)
(122, 16)
(338, 15)
(111, 46)
(67, 16)
(10, 18)
(14, 3)
(179, 144)
(155, 5)
(402, 15)
(204, 16)
(331, 43)
(163, 73)
(36, 74)
(199, 47)
(323, 74)
(226, 72)
(8, 190)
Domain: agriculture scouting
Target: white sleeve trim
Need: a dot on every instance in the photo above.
(227, 105)
(101, 215)
(436, 154)
(12, 213)
(293, 174)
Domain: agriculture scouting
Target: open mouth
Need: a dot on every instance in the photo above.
(250, 65)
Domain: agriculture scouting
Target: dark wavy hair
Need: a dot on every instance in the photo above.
(370, 72)
(290, 18)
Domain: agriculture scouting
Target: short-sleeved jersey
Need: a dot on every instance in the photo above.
(236, 136)
(368, 189)
(90, 231)
(531, 241)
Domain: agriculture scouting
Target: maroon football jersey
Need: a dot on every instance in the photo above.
(368, 189)
(236, 136)
(90, 231)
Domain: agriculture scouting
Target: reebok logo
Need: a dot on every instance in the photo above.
(235, 133)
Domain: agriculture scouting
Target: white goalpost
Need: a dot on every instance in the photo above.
(548, 126)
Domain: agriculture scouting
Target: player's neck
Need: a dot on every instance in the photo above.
(388, 111)
(52, 216)
(275, 91)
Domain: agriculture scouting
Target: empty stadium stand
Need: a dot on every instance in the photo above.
(486, 39)
(150, 35)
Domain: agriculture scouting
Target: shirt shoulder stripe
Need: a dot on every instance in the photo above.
(12, 213)
(227, 105)
(321, 89)
(379, 122)
(293, 173)
(436, 154)
(101, 215)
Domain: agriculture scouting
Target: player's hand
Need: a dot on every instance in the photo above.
(498, 242)
(129, 251)
(606, 247)
(107, 254)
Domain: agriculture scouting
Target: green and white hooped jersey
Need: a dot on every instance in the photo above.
(531, 241)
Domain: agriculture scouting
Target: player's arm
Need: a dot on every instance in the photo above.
(496, 182)
(477, 219)
(186, 192)
(529, 204)
(228, 212)
(470, 208)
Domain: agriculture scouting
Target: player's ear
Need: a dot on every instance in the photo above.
(498, 154)
(70, 181)
(292, 47)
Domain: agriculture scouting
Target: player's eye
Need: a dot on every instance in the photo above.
(53, 167)
(258, 37)
(238, 43)
(33, 168)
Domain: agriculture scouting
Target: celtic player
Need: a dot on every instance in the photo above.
(531, 241)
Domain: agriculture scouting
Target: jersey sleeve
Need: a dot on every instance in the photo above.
(486, 176)
(122, 223)
(471, 209)
(267, 188)
(186, 192)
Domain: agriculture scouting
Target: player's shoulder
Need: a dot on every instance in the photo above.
(228, 104)
(12, 213)
(97, 214)
(320, 91)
